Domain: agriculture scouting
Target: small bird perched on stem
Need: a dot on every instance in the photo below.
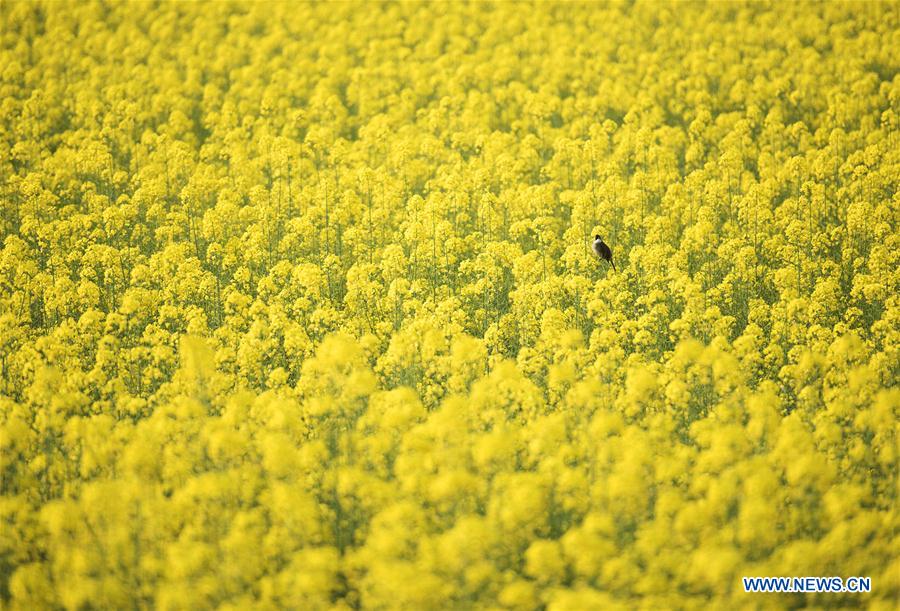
(603, 251)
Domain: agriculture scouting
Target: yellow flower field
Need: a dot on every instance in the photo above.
(298, 308)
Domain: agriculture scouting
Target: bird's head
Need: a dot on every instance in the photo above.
(597, 237)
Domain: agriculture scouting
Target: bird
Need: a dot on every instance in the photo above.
(603, 251)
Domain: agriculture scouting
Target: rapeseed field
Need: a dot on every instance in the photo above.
(299, 310)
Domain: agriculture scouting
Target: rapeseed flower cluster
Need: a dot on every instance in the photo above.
(298, 308)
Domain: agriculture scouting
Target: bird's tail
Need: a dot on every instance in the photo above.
(613, 264)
